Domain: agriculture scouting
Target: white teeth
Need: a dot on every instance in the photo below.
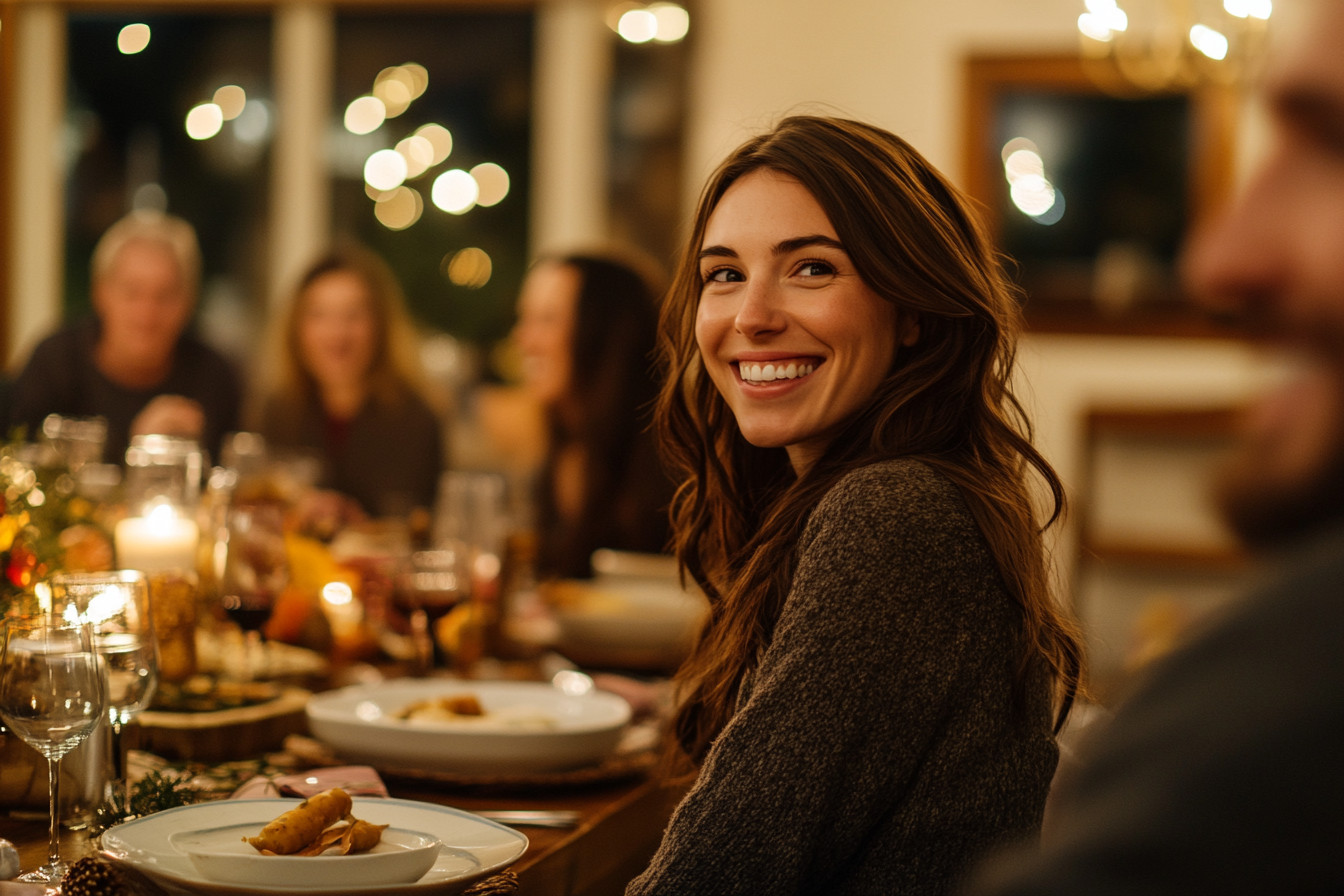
(756, 373)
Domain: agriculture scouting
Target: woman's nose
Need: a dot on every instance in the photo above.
(760, 313)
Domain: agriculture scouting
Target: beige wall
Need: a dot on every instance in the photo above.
(898, 63)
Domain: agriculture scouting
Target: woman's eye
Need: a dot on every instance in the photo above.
(723, 275)
(816, 269)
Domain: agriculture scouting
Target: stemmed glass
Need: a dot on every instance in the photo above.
(52, 694)
(117, 607)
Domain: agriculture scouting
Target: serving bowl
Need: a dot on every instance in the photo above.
(527, 727)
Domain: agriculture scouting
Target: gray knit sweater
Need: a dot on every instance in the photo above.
(874, 750)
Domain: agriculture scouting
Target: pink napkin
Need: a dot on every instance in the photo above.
(356, 780)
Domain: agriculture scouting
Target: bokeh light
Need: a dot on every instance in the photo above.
(365, 115)
(419, 77)
(133, 38)
(638, 26)
(399, 208)
(231, 99)
(470, 268)
(385, 169)
(438, 137)
(493, 182)
(1209, 42)
(253, 126)
(204, 121)
(1256, 9)
(419, 155)
(673, 22)
(455, 191)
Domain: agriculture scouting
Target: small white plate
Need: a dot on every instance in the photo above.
(471, 847)
(222, 854)
(360, 723)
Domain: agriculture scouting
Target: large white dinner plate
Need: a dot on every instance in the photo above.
(360, 724)
(473, 848)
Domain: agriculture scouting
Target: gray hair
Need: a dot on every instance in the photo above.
(169, 231)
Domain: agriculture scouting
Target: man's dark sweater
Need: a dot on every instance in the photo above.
(62, 378)
(875, 749)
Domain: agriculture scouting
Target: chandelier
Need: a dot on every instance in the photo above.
(1162, 45)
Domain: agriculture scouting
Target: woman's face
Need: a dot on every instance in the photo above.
(544, 333)
(337, 330)
(794, 341)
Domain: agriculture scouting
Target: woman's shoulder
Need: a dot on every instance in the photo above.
(903, 499)
(903, 481)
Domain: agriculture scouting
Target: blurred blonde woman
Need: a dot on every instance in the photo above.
(347, 386)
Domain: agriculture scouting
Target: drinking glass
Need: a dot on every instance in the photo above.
(256, 570)
(52, 694)
(116, 605)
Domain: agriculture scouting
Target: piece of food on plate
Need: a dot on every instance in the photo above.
(443, 708)
(300, 826)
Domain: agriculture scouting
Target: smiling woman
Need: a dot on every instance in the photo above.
(870, 702)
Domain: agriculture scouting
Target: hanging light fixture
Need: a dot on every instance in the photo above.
(1156, 45)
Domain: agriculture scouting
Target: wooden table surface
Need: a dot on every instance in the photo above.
(619, 829)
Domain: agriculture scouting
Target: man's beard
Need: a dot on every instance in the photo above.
(1267, 505)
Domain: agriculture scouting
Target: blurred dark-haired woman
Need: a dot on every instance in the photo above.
(586, 331)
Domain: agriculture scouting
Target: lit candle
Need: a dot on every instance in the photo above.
(159, 540)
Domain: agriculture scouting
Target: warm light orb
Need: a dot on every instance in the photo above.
(455, 191)
(1255, 9)
(231, 99)
(1033, 195)
(399, 209)
(395, 94)
(493, 182)
(469, 268)
(1023, 163)
(385, 170)
(1015, 144)
(673, 22)
(204, 121)
(438, 137)
(419, 76)
(337, 593)
(639, 26)
(133, 38)
(1209, 42)
(419, 155)
(365, 115)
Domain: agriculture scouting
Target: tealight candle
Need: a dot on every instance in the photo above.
(159, 540)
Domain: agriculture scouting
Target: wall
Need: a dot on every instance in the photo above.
(898, 63)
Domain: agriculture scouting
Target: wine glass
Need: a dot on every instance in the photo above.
(117, 607)
(256, 570)
(52, 694)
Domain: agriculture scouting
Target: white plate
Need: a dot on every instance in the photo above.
(472, 848)
(222, 854)
(359, 723)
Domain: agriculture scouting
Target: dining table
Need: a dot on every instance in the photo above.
(616, 829)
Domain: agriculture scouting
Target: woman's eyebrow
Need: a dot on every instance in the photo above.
(717, 252)
(784, 247)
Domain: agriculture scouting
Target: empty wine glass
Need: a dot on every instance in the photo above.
(117, 606)
(52, 694)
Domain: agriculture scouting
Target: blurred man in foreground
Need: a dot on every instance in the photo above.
(135, 364)
(1224, 773)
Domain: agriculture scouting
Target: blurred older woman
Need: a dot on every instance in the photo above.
(135, 363)
(347, 386)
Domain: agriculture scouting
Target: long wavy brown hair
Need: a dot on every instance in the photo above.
(947, 401)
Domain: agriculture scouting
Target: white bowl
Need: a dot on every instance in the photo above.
(360, 724)
(401, 857)
(630, 622)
